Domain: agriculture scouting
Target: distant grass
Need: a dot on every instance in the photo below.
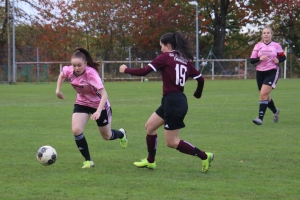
(252, 162)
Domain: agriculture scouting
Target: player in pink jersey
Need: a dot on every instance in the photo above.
(91, 102)
(175, 69)
(267, 55)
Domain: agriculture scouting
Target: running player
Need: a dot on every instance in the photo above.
(175, 69)
(266, 55)
(91, 101)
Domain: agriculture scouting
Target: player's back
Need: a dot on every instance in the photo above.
(175, 70)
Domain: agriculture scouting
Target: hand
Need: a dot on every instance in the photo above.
(275, 60)
(122, 68)
(197, 94)
(96, 115)
(263, 57)
(60, 95)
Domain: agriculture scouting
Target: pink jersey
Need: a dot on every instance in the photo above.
(272, 50)
(86, 86)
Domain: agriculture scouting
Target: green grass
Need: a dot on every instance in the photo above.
(251, 162)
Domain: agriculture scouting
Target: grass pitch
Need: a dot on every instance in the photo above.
(251, 162)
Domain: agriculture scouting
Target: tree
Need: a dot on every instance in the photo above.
(287, 22)
(222, 18)
(4, 17)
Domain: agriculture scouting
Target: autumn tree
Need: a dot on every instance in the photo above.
(222, 18)
(4, 17)
(59, 33)
(149, 20)
(287, 22)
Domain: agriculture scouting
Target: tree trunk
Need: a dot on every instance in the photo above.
(4, 36)
(220, 29)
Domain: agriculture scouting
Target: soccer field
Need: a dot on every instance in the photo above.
(251, 162)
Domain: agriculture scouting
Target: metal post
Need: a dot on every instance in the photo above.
(102, 72)
(284, 69)
(195, 3)
(197, 39)
(142, 66)
(239, 69)
(291, 65)
(13, 43)
(38, 66)
(8, 44)
(129, 58)
(213, 70)
(246, 66)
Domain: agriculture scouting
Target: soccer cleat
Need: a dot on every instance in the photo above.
(206, 163)
(144, 163)
(88, 164)
(124, 140)
(257, 121)
(276, 116)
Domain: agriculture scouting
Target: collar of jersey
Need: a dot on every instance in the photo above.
(79, 74)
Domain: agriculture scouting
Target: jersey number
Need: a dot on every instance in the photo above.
(180, 74)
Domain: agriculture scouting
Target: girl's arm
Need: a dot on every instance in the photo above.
(135, 71)
(96, 115)
(198, 92)
(60, 80)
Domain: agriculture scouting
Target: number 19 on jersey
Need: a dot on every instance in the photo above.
(180, 74)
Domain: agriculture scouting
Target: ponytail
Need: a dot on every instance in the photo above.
(85, 55)
(180, 43)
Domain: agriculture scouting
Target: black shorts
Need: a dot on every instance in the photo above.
(104, 119)
(269, 77)
(173, 110)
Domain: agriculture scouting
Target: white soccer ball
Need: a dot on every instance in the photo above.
(46, 155)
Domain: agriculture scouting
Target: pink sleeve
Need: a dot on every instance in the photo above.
(95, 80)
(254, 53)
(67, 70)
(279, 49)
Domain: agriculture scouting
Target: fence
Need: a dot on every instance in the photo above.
(109, 70)
(214, 68)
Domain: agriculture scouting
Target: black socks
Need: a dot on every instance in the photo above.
(82, 146)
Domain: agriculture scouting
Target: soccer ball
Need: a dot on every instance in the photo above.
(46, 155)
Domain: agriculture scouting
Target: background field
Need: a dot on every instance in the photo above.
(251, 162)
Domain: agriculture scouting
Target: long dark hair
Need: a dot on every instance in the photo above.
(180, 43)
(85, 55)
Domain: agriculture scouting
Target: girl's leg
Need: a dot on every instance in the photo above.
(264, 100)
(111, 134)
(153, 123)
(78, 122)
(173, 141)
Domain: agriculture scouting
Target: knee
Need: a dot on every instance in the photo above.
(148, 127)
(76, 130)
(171, 144)
(105, 137)
(264, 96)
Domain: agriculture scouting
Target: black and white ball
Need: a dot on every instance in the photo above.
(46, 155)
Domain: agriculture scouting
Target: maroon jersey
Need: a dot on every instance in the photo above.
(175, 71)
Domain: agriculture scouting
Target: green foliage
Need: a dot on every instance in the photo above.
(252, 162)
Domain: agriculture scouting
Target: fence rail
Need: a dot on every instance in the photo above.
(109, 70)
